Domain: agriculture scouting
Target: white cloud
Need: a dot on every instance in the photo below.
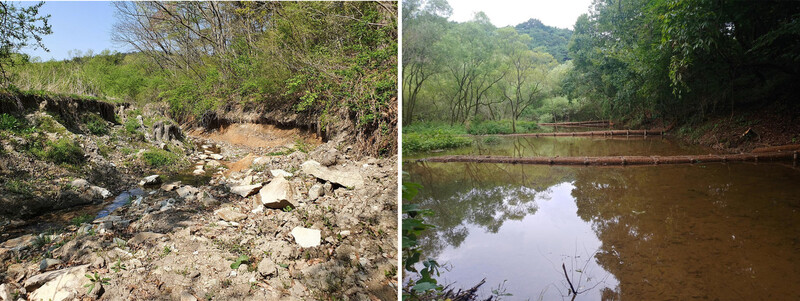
(560, 13)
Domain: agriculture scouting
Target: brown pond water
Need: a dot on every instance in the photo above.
(679, 232)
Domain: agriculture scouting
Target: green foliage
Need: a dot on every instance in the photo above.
(96, 124)
(118, 266)
(95, 279)
(412, 227)
(159, 158)
(553, 40)
(81, 219)
(64, 151)
(431, 136)
(9, 122)
(19, 187)
(241, 259)
(20, 26)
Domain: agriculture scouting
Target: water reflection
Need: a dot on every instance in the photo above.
(716, 231)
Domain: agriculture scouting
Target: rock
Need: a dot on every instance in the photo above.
(230, 215)
(141, 237)
(328, 157)
(6, 292)
(213, 164)
(188, 192)
(79, 183)
(166, 131)
(19, 243)
(267, 268)
(315, 192)
(246, 190)
(47, 263)
(96, 292)
(15, 273)
(186, 296)
(350, 179)
(280, 173)
(171, 186)
(328, 188)
(150, 180)
(306, 237)
(198, 172)
(208, 201)
(345, 233)
(216, 156)
(202, 156)
(64, 284)
(276, 194)
(260, 161)
(101, 192)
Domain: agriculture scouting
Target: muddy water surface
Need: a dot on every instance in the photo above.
(678, 232)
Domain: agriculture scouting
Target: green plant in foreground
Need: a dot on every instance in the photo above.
(96, 124)
(158, 158)
(81, 219)
(8, 122)
(119, 266)
(64, 151)
(413, 226)
(94, 279)
(166, 251)
(242, 259)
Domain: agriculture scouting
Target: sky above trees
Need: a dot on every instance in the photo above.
(81, 25)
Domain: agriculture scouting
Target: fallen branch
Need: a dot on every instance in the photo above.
(620, 160)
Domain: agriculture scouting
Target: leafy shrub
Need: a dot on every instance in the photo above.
(494, 127)
(418, 142)
(64, 151)
(81, 219)
(159, 158)
(96, 124)
(9, 122)
(132, 126)
(17, 186)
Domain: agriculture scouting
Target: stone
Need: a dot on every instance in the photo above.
(166, 131)
(328, 188)
(267, 268)
(79, 183)
(306, 237)
(188, 192)
(276, 194)
(248, 180)
(328, 158)
(141, 237)
(186, 296)
(213, 164)
(171, 186)
(47, 263)
(230, 215)
(246, 190)
(150, 180)
(199, 172)
(101, 192)
(208, 201)
(216, 156)
(19, 243)
(349, 179)
(6, 292)
(280, 173)
(315, 192)
(260, 161)
(64, 284)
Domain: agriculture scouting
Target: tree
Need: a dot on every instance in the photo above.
(422, 28)
(528, 70)
(19, 26)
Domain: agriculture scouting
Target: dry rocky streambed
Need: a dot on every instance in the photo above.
(241, 224)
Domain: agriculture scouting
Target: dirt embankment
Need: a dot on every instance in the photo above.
(747, 129)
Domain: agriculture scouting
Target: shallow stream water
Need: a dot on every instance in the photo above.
(670, 232)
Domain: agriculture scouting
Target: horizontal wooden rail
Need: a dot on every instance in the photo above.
(621, 160)
(589, 133)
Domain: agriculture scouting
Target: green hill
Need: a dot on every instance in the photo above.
(553, 39)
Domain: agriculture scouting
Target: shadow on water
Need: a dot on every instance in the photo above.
(708, 231)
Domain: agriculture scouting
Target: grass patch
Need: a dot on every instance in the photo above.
(428, 136)
(9, 123)
(64, 151)
(19, 187)
(96, 124)
(81, 219)
(159, 158)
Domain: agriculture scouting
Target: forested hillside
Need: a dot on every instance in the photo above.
(553, 39)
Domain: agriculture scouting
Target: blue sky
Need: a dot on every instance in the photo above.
(80, 25)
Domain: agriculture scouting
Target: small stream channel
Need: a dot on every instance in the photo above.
(58, 220)
(702, 231)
